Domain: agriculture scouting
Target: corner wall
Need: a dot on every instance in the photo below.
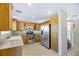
(76, 33)
(62, 32)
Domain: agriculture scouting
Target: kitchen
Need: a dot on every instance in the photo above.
(18, 31)
(15, 33)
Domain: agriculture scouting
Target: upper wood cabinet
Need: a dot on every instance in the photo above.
(5, 17)
(30, 24)
(20, 25)
(37, 26)
(54, 20)
(14, 24)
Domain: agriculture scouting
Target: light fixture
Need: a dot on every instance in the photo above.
(49, 12)
(29, 4)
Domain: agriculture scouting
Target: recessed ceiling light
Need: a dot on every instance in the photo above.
(33, 16)
(29, 4)
(49, 12)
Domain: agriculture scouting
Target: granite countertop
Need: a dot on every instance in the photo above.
(13, 41)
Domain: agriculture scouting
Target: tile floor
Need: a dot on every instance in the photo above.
(36, 49)
(74, 51)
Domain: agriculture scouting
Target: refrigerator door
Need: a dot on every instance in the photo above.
(45, 36)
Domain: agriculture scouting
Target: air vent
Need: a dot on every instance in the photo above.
(74, 15)
(18, 11)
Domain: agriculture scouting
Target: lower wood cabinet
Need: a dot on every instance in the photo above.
(25, 39)
(17, 51)
(37, 38)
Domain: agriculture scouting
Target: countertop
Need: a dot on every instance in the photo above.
(13, 41)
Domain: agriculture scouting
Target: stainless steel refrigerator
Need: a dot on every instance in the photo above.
(46, 35)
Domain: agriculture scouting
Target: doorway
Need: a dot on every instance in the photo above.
(70, 28)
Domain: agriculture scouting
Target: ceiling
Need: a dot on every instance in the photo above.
(39, 12)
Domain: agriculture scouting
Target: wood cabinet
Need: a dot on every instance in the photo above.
(17, 25)
(20, 25)
(37, 38)
(37, 26)
(17, 51)
(14, 23)
(25, 39)
(54, 33)
(30, 24)
(5, 17)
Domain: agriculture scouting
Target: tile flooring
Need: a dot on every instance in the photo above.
(36, 49)
(74, 51)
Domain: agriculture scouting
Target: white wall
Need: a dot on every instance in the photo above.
(76, 33)
(62, 32)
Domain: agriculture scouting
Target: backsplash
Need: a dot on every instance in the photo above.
(37, 32)
(5, 34)
(14, 33)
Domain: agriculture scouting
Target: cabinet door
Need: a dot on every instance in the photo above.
(20, 25)
(5, 17)
(37, 26)
(16, 51)
(29, 24)
(25, 39)
(38, 38)
(14, 27)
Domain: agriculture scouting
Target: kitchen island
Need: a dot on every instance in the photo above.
(12, 46)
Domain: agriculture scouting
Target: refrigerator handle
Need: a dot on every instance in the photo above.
(41, 32)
